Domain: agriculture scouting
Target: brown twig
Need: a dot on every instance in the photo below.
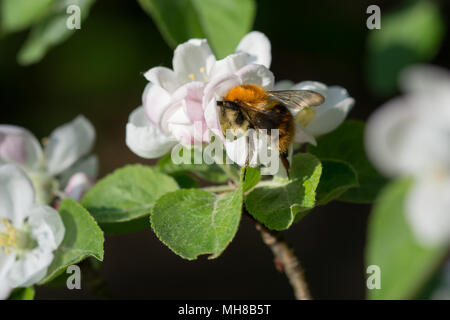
(287, 260)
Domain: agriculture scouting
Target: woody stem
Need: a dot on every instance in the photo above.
(289, 262)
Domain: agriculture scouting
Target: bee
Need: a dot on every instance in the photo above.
(251, 106)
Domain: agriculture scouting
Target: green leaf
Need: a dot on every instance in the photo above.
(409, 35)
(127, 194)
(83, 238)
(185, 180)
(276, 205)
(22, 294)
(405, 265)
(252, 177)
(337, 177)
(223, 23)
(210, 172)
(195, 222)
(346, 143)
(17, 15)
(50, 31)
(177, 20)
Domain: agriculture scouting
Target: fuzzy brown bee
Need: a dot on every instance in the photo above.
(250, 106)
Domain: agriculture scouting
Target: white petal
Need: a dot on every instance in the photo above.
(303, 136)
(78, 185)
(155, 101)
(329, 116)
(88, 166)
(18, 145)
(162, 77)
(311, 85)
(428, 209)
(193, 60)
(425, 78)
(257, 45)
(144, 139)
(16, 194)
(5, 290)
(283, 85)
(6, 262)
(229, 65)
(256, 74)
(48, 230)
(68, 143)
(46, 226)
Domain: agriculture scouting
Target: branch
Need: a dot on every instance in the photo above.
(288, 260)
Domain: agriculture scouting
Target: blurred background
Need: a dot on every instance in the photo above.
(98, 71)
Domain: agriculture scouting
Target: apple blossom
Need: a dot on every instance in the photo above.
(321, 119)
(173, 101)
(410, 136)
(29, 233)
(65, 153)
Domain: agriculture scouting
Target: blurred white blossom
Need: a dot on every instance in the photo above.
(410, 136)
(65, 153)
(29, 233)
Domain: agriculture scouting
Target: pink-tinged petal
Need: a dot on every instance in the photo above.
(428, 209)
(155, 101)
(88, 166)
(256, 74)
(145, 139)
(16, 194)
(257, 45)
(69, 143)
(18, 145)
(162, 77)
(229, 65)
(78, 185)
(190, 96)
(192, 61)
(303, 136)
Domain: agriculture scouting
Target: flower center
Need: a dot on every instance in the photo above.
(305, 116)
(12, 239)
(202, 72)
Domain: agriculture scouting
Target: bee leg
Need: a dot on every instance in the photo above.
(247, 159)
(285, 162)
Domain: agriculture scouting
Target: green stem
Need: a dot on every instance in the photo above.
(221, 188)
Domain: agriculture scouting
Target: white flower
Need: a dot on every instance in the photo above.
(173, 102)
(29, 233)
(63, 156)
(410, 136)
(326, 117)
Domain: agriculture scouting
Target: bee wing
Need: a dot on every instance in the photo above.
(297, 99)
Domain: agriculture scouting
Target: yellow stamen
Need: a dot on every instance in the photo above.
(202, 70)
(191, 76)
(9, 237)
(305, 116)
